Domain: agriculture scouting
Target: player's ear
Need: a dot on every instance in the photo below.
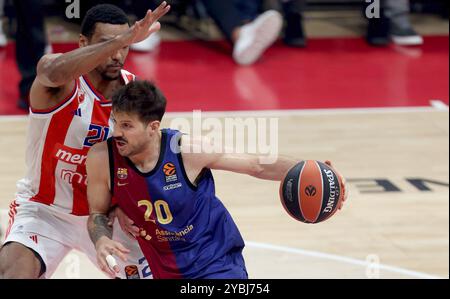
(154, 126)
(83, 42)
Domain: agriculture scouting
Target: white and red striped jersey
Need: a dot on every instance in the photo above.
(57, 146)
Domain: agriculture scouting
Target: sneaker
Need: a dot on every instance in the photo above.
(256, 37)
(406, 37)
(147, 45)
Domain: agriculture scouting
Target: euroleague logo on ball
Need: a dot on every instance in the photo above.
(310, 191)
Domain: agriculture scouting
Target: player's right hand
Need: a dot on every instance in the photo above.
(343, 184)
(104, 247)
(142, 29)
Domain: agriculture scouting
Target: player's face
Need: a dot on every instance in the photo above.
(111, 68)
(132, 136)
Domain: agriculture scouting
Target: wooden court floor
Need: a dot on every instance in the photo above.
(403, 233)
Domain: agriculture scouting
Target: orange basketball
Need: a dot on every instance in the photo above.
(311, 192)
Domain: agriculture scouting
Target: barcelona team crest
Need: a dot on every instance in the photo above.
(122, 173)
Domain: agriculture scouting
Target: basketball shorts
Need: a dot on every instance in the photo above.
(53, 234)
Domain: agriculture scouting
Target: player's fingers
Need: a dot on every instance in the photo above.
(130, 222)
(122, 256)
(132, 229)
(127, 224)
(155, 27)
(105, 267)
(148, 19)
(343, 183)
(330, 164)
(161, 11)
(135, 29)
(113, 267)
(344, 187)
(112, 218)
(132, 232)
(121, 249)
(116, 269)
(135, 230)
(106, 270)
(345, 195)
(344, 198)
(123, 224)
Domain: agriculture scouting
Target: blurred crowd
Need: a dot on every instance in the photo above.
(248, 25)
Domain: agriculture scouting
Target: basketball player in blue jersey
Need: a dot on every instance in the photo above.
(162, 180)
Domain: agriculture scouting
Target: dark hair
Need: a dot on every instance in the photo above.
(102, 13)
(142, 98)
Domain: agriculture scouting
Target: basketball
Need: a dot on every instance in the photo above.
(311, 192)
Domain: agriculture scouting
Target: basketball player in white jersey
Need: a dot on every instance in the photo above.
(70, 112)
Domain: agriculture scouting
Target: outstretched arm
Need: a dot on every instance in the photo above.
(253, 165)
(99, 198)
(196, 158)
(58, 71)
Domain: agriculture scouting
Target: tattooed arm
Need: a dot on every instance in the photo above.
(99, 198)
(98, 227)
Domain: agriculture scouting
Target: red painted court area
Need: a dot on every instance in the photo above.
(330, 73)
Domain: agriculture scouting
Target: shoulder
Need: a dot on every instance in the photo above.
(196, 145)
(199, 150)
(98, 151)
(97, 163)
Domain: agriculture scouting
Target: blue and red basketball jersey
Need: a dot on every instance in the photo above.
(186, 232)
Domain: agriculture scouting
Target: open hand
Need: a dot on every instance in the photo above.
(142, 29)
(106, 247)
(125, 222)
